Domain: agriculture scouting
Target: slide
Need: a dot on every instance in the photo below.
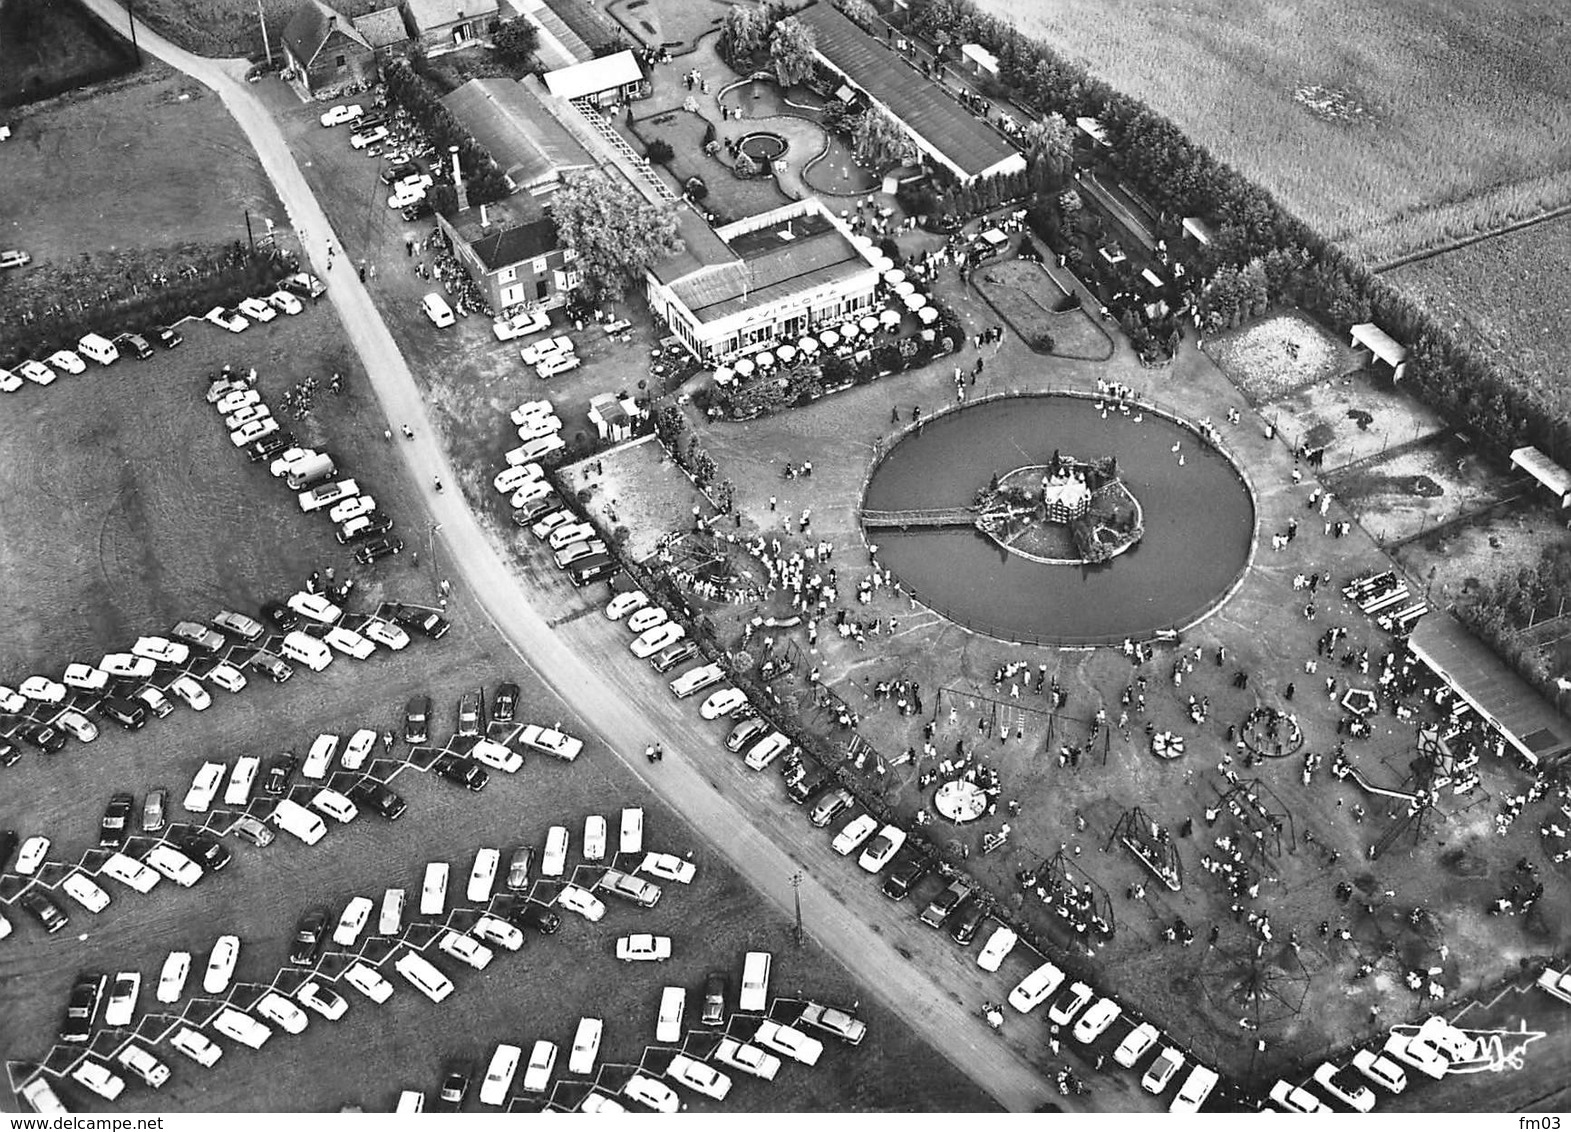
(1381, 791)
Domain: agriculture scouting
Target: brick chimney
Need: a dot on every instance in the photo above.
(484, 220)
(458, 181)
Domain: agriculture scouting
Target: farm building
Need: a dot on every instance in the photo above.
(614, 418)
(385, 31)
(604, 81)
(760, 280)
(324, 51)
(447, 25)
(1382, 347)
(510, 249)
(943, 131)
(1548, 473)
(530, 145)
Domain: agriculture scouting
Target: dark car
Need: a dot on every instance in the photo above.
(127, 713)
(531, 513)
(116, 822)
(276, 667)
(965, 919)
(309, 931)
(270, 446)
(44, 910)
(378, 549)
(456, 1075)
(799, 788)
(370, 794)
(168, 337)
(464, 772)
(48, 739)
(280, 617)
(714, 1000)
(419, 210)
(8, 843)
(422, 621)
(537, 916)
(673, 655)
(133, 344)
(505, 702)
(944, 904)
(417, 719)
(904, 875)
(275, 780)
(399, 172)
(201, 638)
(202, 847)
(596, 568)
(471, 713)
(379, 524)
(82, 1007)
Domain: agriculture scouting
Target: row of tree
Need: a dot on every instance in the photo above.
(484, 180)
(1183, 179)
(758, 36)
(1501, 614)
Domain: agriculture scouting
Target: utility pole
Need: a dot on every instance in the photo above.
(796, 892)
(430, 552)
(130, 13)
(261, 18)
(249, 235)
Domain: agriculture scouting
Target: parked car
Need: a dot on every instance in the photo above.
(115, 825)
(699, 1076)
(123, 993)
(324, 1001)
(417, 720)
(747, 1058)
(369, 982)
(643, 947)
(1095, 1021)
(1161, 1071)
(226, 319)
(791, 1042)
(551, 742)
(1342, 1084)
(841, 1024)
(241, 1027)
(1034, 989)
(1287, 1097)
(221, 964)
(197, 1046)
(309, 932)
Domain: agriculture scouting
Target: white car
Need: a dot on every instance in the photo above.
(624, 603)
(12, 701)
(335, 805)
(98, 1078)
(1416, 1054)
(123, 993)
(257, 309)
(173, 864)
(37, 372)
(85, 678)
(498, 755)
(586, 1046)
(642, 947)
(171, 980)
(77, 725)
(433, 891)
(81, 889)
(856, 831)
(221, 964)
(129, 872)
(197, 1046)
(227, 677)
(594, 838)
(582, 901)
(338, 115)
(573, 532)
(1167, 1063)
(847, 1027)
(699, 1076)
(326, 1002)
(369, 982)
(162, 650)
(252, 431)
(493, 929)
(482, 876)
(349, 642)
(545, 349)
(245, 415)
(437, 310)
(562, 363)
(320, 757)
(542, 1059)
(668, 866)
(1338, 1082)
(1070, 1003)
(156, 701)
(520, 325)
(1288, 1097)
(390, 920)
(204, 788)
(385, 633)
(551, 742)
(1556, 983)
(997, 948)
(651, 1093)
(788, 1041)
(325, 495)
(1194, 1091)
(529, 410)
(368, 138)
(360, 745)
(282, 1013)
(124, 665)
(595, 1101)
(32, 856)
(1381, 1070)
(1095, 1021)
(153, 1073)
(284, 301)
(194, 695)
(882, 848)
(1135, 1044)
(748, 1058)
(466, 949)
(548, 523)
(1034, 989)
(647, 644)
(539, 426)
(511, 478)
(227, 319)
(722, 703)
(241, 1027)
(354, 508)
(68, 361)
(352, 921)
(9, 382)
(315, 607)
(529, 493)
(239, 399)
(43, 690)
(632, 834)
(646, 618)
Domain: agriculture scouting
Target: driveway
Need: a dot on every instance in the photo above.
(880, 943)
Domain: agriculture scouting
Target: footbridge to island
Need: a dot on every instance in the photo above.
(922, 517)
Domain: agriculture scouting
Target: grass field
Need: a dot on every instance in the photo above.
(51, 46)
(1507, 294)
(1465, 105)
(146, 165)
(227, 28)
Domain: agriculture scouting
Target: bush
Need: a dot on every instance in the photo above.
(659, 151)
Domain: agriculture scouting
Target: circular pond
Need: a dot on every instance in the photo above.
(763, 146)
(1198, 519)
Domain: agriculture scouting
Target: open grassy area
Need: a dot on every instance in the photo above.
(227, 28)
(48, 47)
(677, 25)
(1462, 105)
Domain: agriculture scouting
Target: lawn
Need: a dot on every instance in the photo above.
(1031, 301)
(48, 47)
(1277, 355)
(228, 28)
(1507, 295)
(1452, 117)
(675, 24)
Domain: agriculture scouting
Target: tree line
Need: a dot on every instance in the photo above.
(484, 182)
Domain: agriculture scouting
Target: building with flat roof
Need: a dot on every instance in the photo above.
(762, 279)
(945, 132)
(527, 142)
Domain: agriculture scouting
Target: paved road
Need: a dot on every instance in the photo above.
(588, 665)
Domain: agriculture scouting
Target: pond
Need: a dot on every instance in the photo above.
(1199, 522)
(763, 146)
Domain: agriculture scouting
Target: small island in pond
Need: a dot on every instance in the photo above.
(1067, 511)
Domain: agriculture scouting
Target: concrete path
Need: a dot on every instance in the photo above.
(913, 970)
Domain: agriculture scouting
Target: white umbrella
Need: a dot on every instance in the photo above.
(745, 368)
(868, 324)
(882, 263)
(764, 359)
(723, 375)
(928, 315)
(890, 318)
(787, 353)
(895, 277)
(905, 287)
(916, 302)
(863, 242)
(848, 330)
(830, 339)
(807, 345)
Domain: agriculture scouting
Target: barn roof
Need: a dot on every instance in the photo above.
(1545, 471)
(311, 26)
(605, 73)
(505, 116)
(1379, 343)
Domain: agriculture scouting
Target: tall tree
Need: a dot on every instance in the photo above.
(516, 40)
(614, 232)
(743, 32)
(791, 47)
(861, 13)
(879, 142)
